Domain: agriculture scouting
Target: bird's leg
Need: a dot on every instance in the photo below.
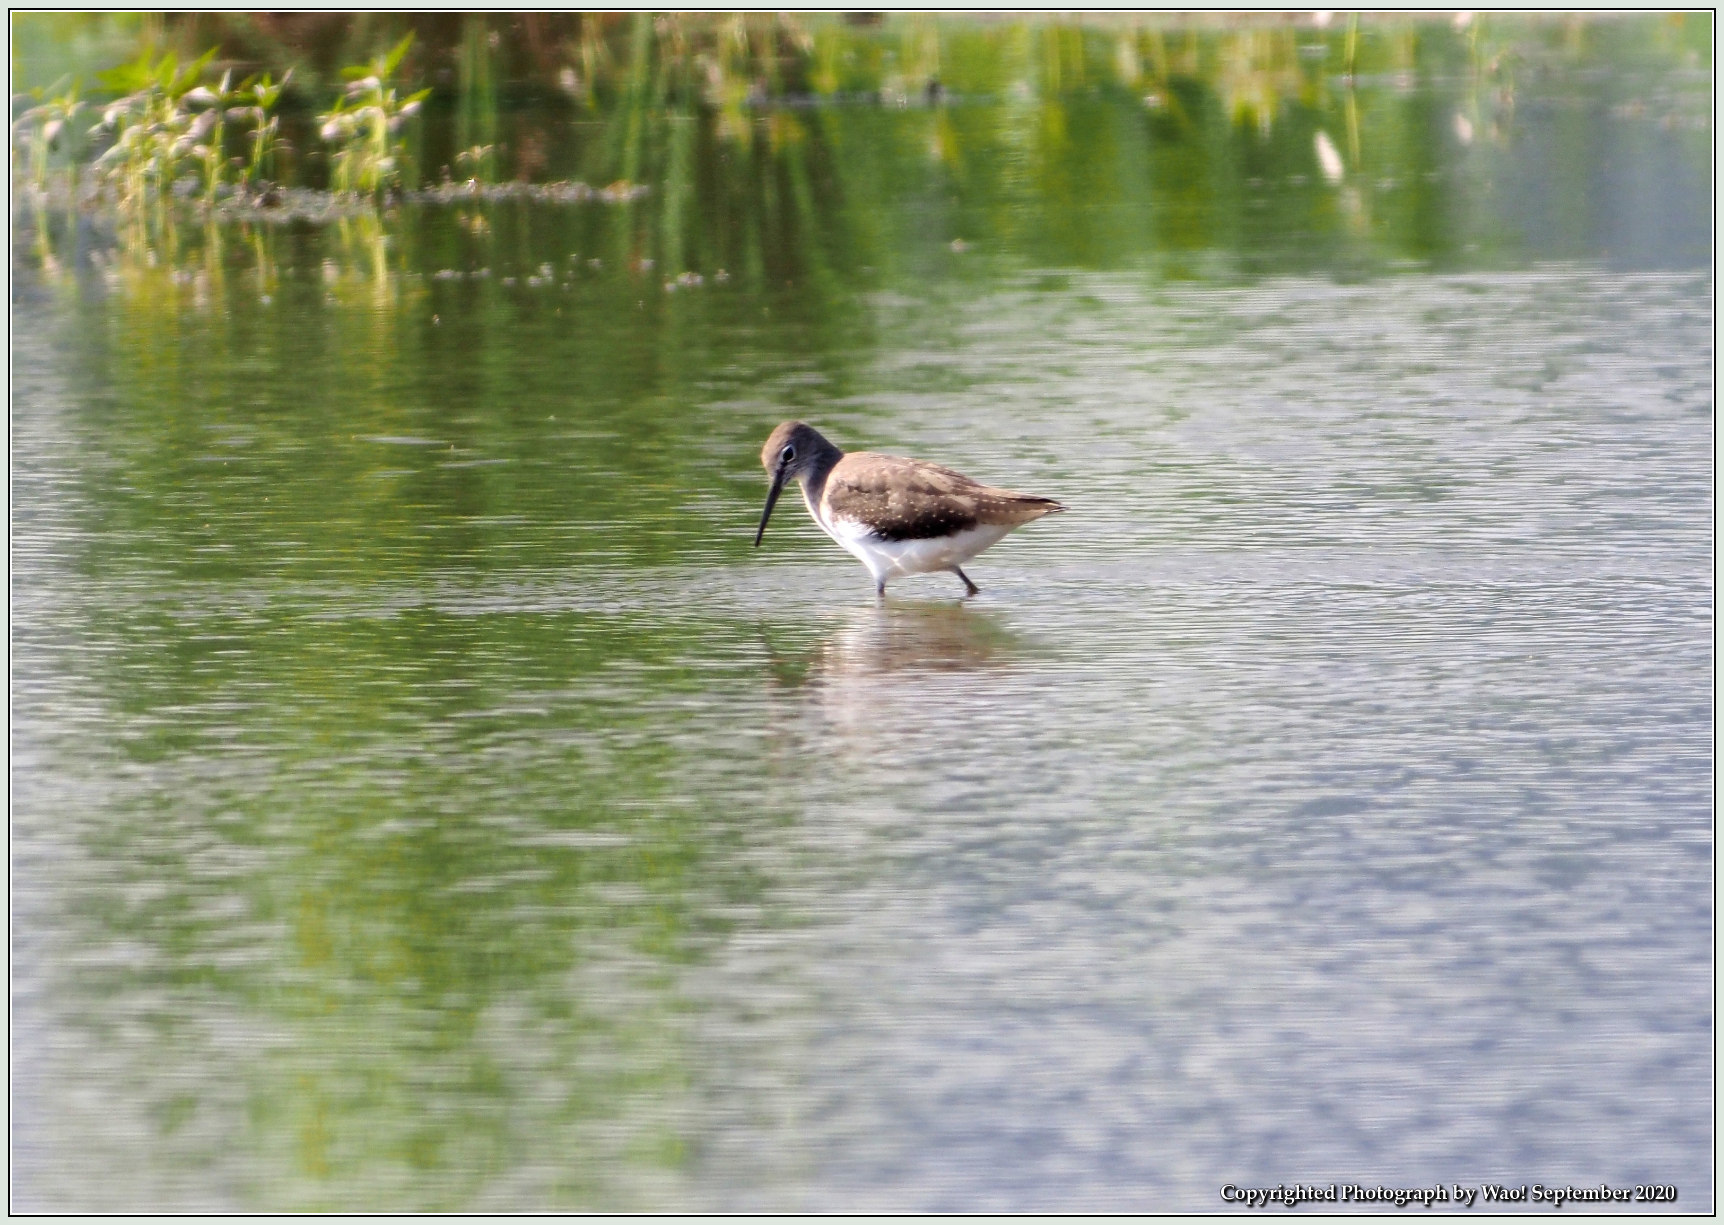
(880, 589)
(969, 587)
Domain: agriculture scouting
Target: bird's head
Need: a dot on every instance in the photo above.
(792, 452)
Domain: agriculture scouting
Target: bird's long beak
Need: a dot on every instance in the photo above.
(771, 501)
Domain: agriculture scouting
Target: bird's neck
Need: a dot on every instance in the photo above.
(814, 476)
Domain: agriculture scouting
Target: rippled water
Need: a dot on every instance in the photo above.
(424, 797)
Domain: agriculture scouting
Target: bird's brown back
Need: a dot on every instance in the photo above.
(911, 499)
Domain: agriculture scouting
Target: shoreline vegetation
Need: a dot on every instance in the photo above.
(238, 121)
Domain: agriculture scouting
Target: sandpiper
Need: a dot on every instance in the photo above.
(897, 516)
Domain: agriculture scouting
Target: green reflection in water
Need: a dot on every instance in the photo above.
(791, 152)
(444, 977)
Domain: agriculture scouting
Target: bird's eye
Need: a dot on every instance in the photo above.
(786, 455)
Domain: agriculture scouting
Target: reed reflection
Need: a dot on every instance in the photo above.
(783, 151)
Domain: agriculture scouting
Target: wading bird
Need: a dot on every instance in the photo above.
(897, 516)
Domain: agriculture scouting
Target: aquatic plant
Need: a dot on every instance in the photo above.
(209, 128)
(476, 106)
(746, 142)
(45, 129)
(153, 131)
(165, 123)
(265, 94)
(365, 125)
(475, 163)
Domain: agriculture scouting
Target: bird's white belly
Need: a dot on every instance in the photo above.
(885, 558)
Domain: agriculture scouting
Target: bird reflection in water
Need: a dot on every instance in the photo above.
(888, 683)
(898, 639)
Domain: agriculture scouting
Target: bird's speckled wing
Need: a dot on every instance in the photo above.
(910, 499)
